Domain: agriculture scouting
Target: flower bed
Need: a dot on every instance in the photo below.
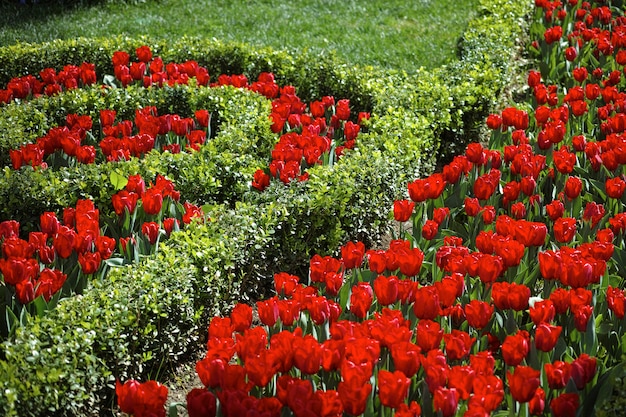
(507, 297)
(144, 316)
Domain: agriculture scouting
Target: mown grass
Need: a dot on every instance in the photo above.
(400, 34)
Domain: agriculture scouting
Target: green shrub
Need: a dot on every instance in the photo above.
(138, 322)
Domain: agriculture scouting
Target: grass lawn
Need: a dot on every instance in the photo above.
(391, 33)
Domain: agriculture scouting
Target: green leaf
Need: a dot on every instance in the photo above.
(118, 180)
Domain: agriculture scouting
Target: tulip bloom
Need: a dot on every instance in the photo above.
(523, 382)
(546, 336)
(402, 210)
(565, 405)
(386, 289)
(515, 348)
(393, 388)
(478, 313)
(141, 399)
(201, 403)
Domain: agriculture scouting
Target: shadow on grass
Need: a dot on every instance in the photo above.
(15, 13)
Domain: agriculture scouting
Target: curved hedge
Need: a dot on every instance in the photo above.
(145, 317)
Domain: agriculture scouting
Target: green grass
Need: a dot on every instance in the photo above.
(386, 33)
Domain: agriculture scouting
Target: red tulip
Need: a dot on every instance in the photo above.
(393, 388)
(542, 311)
(458, 344)
(478, 313)
(565, 405)
(461, 378)
(141, 399)
(426, 305)
(151, 231)
(558, 374)
(386, 289)
(307, 354)
(537, 404)
(268, 311)
(89, 262)
(406, 357)
(361, 299)
(446, 401)
(352, 254)
(201, 403)
(430, 229)
(152, 201)
(523, 382)
(564, 229)
(515, 348)
(546, 336)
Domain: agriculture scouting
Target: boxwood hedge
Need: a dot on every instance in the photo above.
(144, 318)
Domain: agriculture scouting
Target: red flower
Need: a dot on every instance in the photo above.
(558, 374)
(430, 229)
(461, 378)
(406, 357)
(417, 190)
(513, 296)
(352, 254)
(342, 109)
(573, 187)
(478, 313)
(523, 382)
(105, 246)
(261, 180)
(515, 348)
(307, 354)
(354, 389)
(582, 314)
(409, 260)
(546, 336)
(191, 211)
(446, 401)
(429, 335)
(555, 209)
(141, 399)
(458, 344)
(583, 370)
(268, 311)
(490, 267)
(151, 231)
(241, 317)
(361, 299)
(402, 210)
(564, 160)
(285, 284)
(201, 403)
(170, 224)
(542, 311)
(377, 260)
(63, 242)
(152, 201)
(426, 305)
(537, 404)
(393, 388)
(386, 289)
(89, 262)
(565, 405)
(49, 223)
(564, 229)
(616, 301)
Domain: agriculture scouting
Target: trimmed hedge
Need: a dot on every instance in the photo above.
(145, 317)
